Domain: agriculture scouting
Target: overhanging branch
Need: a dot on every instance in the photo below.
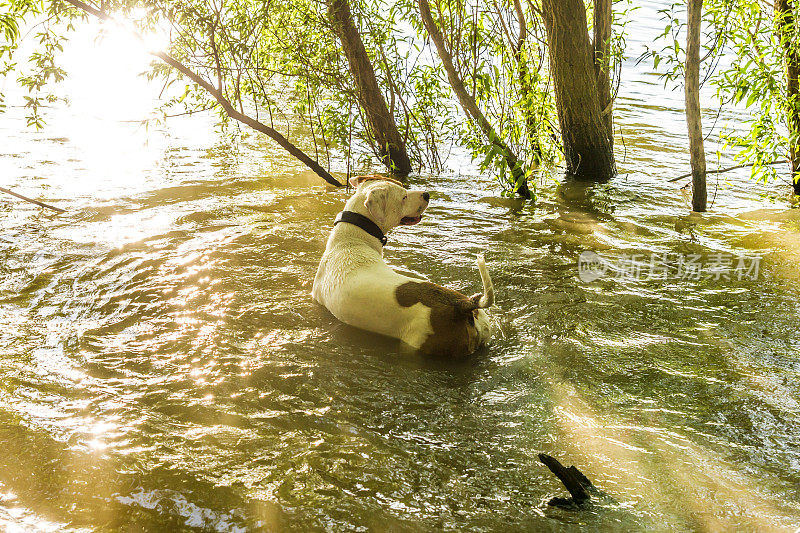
(226, 105)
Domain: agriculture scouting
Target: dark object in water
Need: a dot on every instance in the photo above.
(578, 485)
(31, 200)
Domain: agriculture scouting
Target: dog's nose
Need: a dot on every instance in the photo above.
(426, 196)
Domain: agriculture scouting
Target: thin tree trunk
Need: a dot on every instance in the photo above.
(787, 31)
(587, 145)
(468, 103)
(525, 88)
(602, 41)
(692, 87)
(380, 120)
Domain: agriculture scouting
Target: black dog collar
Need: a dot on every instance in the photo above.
(362, 222)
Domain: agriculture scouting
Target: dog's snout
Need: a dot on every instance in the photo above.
(426, 196)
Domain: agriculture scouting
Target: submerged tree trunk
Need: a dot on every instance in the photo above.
(587, 143)
(787, 31)
(380, 120)
(468, 103)
(692, 90)
(602, 40)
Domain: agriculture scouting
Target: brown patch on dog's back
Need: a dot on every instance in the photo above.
(452, 317)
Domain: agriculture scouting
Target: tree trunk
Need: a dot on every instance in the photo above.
(787, 32)
(380, 120)
(602, 40)
(692, 88)
(587, 145)
(468, 103)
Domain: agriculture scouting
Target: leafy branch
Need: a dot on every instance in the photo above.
(217, 92)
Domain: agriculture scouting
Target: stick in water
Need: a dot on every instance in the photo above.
(580, 488)
(31, 200)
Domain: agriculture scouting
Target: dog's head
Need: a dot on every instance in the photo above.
(389, 204)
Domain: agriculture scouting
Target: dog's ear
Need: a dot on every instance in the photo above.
(376, 203)
(355, 181)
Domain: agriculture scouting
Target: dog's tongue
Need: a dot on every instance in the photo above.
(410, 221)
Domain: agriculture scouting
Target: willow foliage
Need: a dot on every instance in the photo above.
(279, 62)
(745, 63)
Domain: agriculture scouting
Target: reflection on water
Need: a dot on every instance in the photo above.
(163, 364)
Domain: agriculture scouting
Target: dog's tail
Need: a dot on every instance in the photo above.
(487, 298)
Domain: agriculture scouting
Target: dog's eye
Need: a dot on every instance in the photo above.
(405, 197)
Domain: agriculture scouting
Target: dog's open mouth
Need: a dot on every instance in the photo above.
(410, 221)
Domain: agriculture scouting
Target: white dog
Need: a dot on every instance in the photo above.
(359, 288)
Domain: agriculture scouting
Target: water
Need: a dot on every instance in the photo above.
(164, 366)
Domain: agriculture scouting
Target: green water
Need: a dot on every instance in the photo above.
(162, 365)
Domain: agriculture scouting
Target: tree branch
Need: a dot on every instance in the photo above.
(31, 200)
(468, 103)
(218, 95)
(577, 484)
